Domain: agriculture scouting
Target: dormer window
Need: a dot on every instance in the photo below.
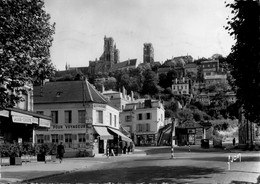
(58, 94)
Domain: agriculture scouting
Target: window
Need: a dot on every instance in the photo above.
(147, 127)
(46, 137)
(39, 112)
(54, 138)
(115, 120)
(60, 136)
(139, 127)
(40, 138)
(100, 117)
(54, 115)
(140, 116)
(68, 138)
(128, 118)
(82, 137)
(110, 118)
(74, 137)
(148, 116)
(68, 117)
(82, 116)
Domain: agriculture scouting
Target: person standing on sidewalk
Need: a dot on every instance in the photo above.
(60, 151)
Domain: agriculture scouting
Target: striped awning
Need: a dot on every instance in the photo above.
(103, 133)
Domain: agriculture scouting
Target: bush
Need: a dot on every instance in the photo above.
(10, 150)
(46, 149)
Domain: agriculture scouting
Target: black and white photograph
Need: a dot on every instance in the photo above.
(130, 91)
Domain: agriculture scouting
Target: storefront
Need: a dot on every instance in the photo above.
(18, 125)
(146, 139)
(93, 139)
(110, 139)
(190, 133)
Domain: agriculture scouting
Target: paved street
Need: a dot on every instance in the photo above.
(197, 166)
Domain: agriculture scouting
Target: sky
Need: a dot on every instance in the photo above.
(174, 27)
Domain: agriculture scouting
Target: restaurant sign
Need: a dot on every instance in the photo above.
(44, 123)
(22, 119)
(4, 113)
(65, 127)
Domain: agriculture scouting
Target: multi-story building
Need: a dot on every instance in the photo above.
(206, 98)
(210, 67)
(143, 119)
(148, 53)
(18, 124)
(191, 67)
(181, 87)
(81, 117)
(119, 99)
(215, 78)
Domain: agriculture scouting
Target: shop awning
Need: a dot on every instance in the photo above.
(28, 117)
(103, 133)
(124, 138)
(4, 113)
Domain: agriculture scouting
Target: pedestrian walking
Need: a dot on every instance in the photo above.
(234, 141)
(60, 151)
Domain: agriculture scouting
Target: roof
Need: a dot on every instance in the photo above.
(124, 64)
(28, 113)
(66, 92)
(209, 61)
(164, 70)
(191, 65)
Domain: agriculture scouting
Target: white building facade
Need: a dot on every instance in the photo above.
(81, 117)
(143, 119)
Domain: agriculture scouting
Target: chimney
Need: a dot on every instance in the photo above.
(132, 96)
(124, 92)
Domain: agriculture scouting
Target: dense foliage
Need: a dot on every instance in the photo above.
(25, 39)
(244, 59)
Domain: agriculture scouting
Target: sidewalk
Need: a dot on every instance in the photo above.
(28, 171)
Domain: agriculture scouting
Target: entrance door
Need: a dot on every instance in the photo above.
(68, 140)
(101, 146)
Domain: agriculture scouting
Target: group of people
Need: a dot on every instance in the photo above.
(121, 148)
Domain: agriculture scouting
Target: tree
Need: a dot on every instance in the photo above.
(185, 115)
(25, 39)
(162, 78)
(244, 26)
(150, 85)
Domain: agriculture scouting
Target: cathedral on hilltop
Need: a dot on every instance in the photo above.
(109, 57)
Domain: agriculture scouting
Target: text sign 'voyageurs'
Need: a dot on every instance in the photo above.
(55, 127)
